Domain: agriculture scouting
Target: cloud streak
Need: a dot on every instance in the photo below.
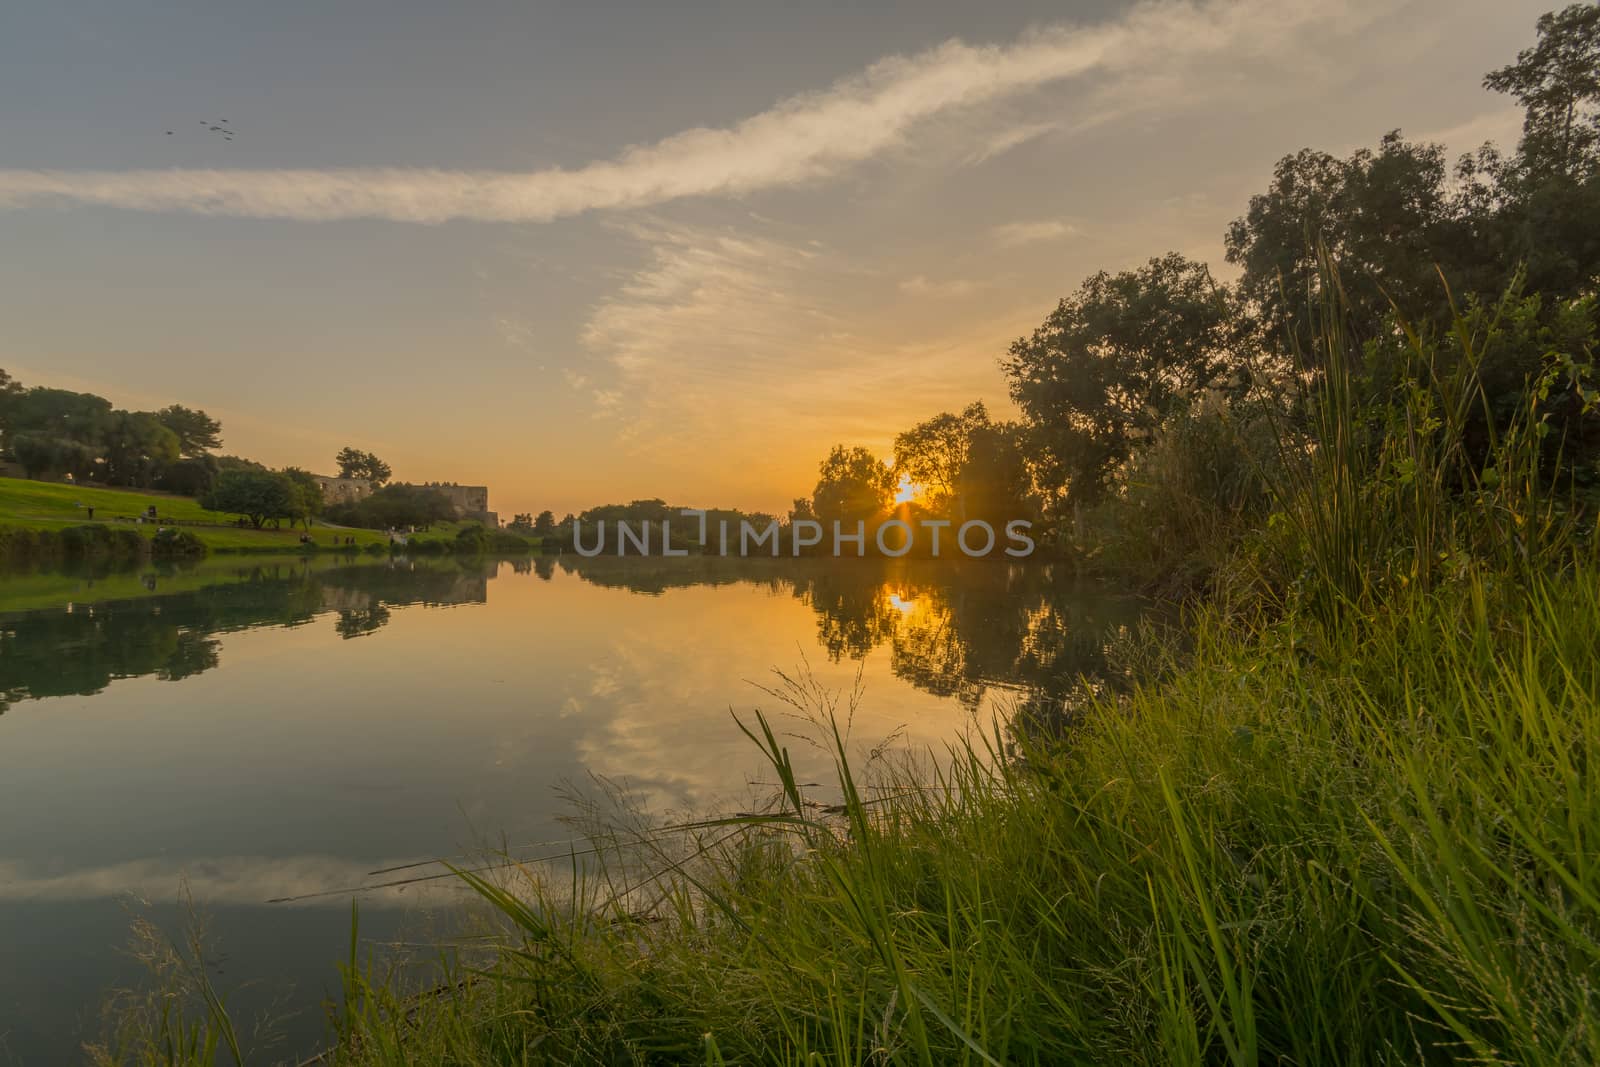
(801, 139)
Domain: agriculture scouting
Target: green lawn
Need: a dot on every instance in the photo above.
(52, 505)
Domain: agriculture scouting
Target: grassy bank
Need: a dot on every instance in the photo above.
(1355, 820)
(33, 516)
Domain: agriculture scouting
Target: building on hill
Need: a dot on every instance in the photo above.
(343, 490)
(471, 500)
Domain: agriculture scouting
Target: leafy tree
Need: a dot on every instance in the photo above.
(354, 463)
(190, 477)
(307, 501)
(852, 484)
(522, 522)
(137, 448)
(60, 413)
(545, 524)
(994, 482)
(1557, 82)
(1112, 361)
(255, 495)
(42, 454)
(394, 506)
(1387, 219)
(197, 432)
(238, 463)
(933, 452)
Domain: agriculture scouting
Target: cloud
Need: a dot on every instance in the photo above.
(803, 138)
(1502, 125)
(222, 880)
(752, 335)
(1013, 234)
(951, 288)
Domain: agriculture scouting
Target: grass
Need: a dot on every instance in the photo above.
(1356, 821)
(53, 506)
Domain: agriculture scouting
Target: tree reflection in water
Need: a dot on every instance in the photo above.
(1022, 636)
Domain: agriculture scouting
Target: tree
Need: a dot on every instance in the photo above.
(994, 483)
(41, 454)
(1557, 82)
(1115, 359)
(11, 391)
(545, 524)
(394, 506)
(1386, 218)
(853, 484)
(255, 495)
(306, 503)
(933, 452)
(197, 432)
(137, 448)
(522, 522)
(190, 477)
(354, 463)
(60, 413)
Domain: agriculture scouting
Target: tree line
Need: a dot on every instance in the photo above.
(1161, 373)
(59, 433)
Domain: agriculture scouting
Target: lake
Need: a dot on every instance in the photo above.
(243, 732)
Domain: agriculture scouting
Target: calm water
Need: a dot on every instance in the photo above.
(245, 732)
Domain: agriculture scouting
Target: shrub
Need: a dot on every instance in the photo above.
(172, 543)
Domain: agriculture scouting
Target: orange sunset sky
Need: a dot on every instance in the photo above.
(584, 253)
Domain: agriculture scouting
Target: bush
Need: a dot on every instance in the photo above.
(98, 541)
(172, 543)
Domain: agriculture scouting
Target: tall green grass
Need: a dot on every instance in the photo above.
(1358, 822)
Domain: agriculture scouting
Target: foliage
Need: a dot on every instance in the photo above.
(396, 507)
(1557, 82)
(306, 503)
(933, 453)
(259, 496)
(852, 484)
(197, 432)
(170, 542)
(1116, 359)
(57, 432)
(136, 448)
(354, 463)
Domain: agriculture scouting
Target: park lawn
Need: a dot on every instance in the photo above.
(52, 506)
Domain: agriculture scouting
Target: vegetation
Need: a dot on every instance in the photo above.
(1349, 817)
(396, 507)
(32, 514)
(354, 463)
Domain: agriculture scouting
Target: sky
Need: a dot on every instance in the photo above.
(587, 252)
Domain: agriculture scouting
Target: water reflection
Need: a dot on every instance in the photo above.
(82, 646)
(952, 629)
(378, 713)
(960, 629)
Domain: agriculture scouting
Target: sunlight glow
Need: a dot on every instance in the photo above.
(906, 490)
(902, 605)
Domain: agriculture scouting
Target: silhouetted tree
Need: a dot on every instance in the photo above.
(354, 463)
(197, 432)
(853, 484)
(1113, 360)
(933, 452)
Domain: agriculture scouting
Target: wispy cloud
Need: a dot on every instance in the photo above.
(1013, 234)
(803, 138)
(948, 288)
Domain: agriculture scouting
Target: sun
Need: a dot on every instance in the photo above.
(906, 490)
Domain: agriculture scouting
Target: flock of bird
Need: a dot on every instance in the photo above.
(220, 126)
